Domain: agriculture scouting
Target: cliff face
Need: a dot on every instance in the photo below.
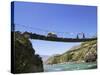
(26, 60)
(86, 52)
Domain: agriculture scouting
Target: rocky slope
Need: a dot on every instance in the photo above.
(26, 60)
(86, 52)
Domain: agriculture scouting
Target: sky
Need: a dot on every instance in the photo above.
(64, 20)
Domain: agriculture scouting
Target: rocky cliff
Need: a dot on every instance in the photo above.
(26, 61)
(85, 52)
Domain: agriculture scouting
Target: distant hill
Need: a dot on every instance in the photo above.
(85, 52)
(44, 58)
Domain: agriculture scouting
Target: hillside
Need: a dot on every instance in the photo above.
(85, 52)
(25, 59)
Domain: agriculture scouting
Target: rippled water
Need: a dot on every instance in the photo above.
(69, 66)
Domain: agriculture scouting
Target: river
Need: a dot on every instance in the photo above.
(69, 67)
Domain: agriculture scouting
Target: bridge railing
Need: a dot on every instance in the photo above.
(78, 35)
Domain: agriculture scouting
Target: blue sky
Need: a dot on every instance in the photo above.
(55, 17)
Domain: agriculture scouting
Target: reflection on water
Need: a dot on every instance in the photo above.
(69, 66)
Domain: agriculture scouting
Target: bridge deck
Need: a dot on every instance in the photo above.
(58, 39)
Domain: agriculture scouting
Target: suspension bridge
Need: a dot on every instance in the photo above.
(55, 37)
(58, 39)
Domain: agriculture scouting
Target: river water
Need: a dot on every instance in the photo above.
(69, 67)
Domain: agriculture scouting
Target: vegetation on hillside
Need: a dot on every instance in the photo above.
(85, 52)
(25, 59)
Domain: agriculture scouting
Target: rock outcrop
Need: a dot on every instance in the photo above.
(26, 61)
(85, 52)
